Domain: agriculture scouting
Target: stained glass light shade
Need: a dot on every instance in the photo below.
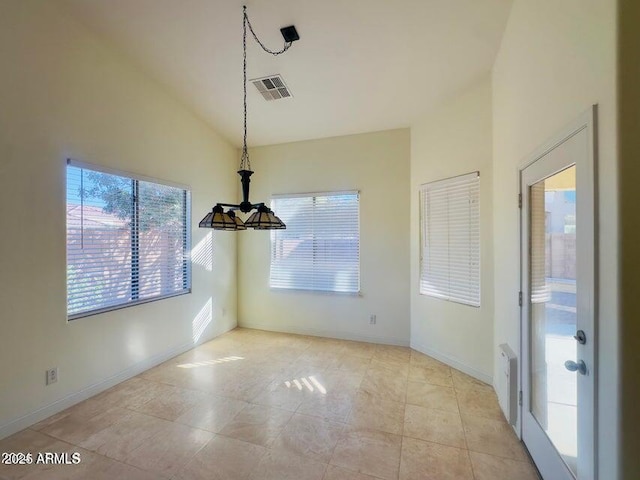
(218, 219)
(264, 219)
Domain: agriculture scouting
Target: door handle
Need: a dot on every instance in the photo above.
(580, 337)
(579, 366)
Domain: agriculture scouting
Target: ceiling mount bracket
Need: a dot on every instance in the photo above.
(290, 34)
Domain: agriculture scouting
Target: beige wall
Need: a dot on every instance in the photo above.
(377, 164)
(64, 94)
(453, 140)
(557, 59)
(629, 129)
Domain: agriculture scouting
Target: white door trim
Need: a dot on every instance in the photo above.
(588, 231)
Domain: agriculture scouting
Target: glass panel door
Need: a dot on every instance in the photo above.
(553, 310)
(558, 328)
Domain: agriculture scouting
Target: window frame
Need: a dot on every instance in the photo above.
(423, 231)
(333, 193)
(187, 280)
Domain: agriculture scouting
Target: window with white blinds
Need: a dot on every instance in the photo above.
(127, 240)
(450, 246)
(320, 248)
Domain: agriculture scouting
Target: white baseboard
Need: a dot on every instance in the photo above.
(40, 414)
(341, 335)
(453, 362)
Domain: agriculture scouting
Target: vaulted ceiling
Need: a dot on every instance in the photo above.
(360, 65)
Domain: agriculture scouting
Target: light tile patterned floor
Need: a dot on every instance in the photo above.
(267, 406)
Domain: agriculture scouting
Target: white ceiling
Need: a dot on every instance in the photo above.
(360, 65)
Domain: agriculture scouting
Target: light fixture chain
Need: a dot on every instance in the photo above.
(245, 163)
(263, 218)
(265, 48)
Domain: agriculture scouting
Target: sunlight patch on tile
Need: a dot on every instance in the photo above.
(310, 383)
(205, 363)
(318, 385)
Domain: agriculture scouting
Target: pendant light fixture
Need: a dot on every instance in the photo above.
(263, 218)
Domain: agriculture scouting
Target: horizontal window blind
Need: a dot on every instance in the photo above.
(450, 246)
(540, 291)
(320, 248)
(127, 241)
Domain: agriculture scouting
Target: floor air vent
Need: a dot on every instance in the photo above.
(272, 87)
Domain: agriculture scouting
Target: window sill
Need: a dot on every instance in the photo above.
(98, 311)
(316, 292)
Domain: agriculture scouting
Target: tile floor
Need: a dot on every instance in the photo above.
(267, 406)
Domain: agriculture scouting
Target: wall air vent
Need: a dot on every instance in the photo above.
(272, 87)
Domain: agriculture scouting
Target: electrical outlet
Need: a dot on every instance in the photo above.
(372, 319)
(52, 375)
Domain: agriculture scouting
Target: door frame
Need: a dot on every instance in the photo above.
(586, 121)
